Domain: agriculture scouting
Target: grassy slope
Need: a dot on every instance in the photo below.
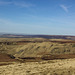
(37, 49)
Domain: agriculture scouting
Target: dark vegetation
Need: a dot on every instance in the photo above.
(36, 41)
(61, 56)
(11, 58)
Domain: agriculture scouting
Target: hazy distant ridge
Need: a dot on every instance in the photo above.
(37, 36)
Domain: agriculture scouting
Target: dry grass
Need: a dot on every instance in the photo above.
(51, 67)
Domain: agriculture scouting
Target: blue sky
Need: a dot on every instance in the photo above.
(53, 17)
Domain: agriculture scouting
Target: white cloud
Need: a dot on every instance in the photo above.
(5, 3)
(23, 4)
(17, 3)
(65, 8)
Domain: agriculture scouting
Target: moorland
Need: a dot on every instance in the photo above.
(37, 56)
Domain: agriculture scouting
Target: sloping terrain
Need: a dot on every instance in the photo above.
(40, 49)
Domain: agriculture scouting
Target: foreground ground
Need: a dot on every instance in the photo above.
(50, 67)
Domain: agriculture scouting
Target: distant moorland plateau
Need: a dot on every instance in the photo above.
(37, 36)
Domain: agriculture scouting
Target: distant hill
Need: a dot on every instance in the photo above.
(37, 36)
